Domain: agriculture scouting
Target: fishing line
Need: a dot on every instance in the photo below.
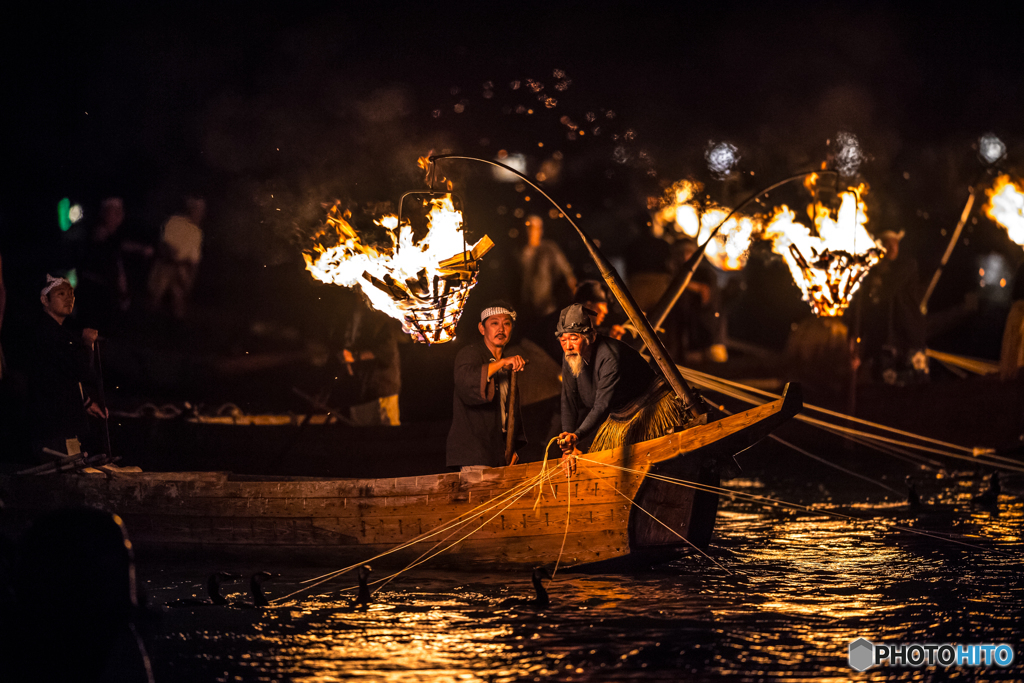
(422, 559)
(832, 413)
(419, 560)
(979, 455)
(529, 483)
(525, 486)
(568, 509)
(688, 541)
(800, 450)
(750, 497)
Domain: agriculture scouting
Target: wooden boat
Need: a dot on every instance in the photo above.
(487, 518)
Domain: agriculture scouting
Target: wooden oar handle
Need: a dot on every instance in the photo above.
(510, 423)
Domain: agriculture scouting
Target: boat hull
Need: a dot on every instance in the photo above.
(524, 515)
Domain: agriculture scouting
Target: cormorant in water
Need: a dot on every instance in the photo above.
(991, 495)
(542, 600)
(913, 499)
(364, 599)
(213, 584)
(256, 591)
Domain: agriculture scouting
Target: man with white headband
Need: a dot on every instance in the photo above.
(58, 369)
(480, 407)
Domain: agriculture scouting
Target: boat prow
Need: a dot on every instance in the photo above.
(524, 515)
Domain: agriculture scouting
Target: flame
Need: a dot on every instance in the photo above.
(731, 246)
(408, 280)
(827, 266)
(1006, 207)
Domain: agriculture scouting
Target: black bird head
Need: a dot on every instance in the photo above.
(256, 588)
(540, 574)
(913, 499)
(365, 597)
(214, 583)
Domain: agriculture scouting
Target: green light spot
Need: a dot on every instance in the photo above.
(63, 214)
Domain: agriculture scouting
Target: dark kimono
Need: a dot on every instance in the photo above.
(56, 364)
(615, 376)
(476, 436)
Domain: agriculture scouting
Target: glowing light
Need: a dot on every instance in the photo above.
(514, 160)
(1006, 207)
(424, 283)
(722, 158)
(848, 155)
(731, 246)
(990, 148)
(829, 263)
(75, 213)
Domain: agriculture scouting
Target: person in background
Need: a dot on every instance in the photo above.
(544, 269)
(648, 263)
(58, 369)
(178, 257)
(893, 334)
(481, 402)
(694, 328)
(1011, 356)
(591, 295)
(102, 283)
(370, 354)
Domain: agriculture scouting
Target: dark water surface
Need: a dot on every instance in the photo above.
(803, 585)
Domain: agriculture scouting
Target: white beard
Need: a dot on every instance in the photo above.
(575, 362)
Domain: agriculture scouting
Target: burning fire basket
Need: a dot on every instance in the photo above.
(422, 280)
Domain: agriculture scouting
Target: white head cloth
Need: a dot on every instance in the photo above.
(52, 282)
(496, 310)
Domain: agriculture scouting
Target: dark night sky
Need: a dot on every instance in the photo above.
(267, 107)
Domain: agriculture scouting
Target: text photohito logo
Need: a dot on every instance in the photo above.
(864, 654)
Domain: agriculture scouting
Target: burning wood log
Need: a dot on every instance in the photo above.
(404, 280)
(829, 263)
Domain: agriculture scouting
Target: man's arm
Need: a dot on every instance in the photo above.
(606, 378)
(472, 383)
(515, 362)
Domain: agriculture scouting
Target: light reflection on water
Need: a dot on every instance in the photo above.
(804, 586)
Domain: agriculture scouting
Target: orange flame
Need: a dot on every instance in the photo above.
(731, 246)
(1006, 207)
(830, 265)
(409, 280)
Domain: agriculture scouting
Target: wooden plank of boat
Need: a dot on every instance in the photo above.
(509, 516)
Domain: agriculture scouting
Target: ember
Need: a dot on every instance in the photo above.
(424, 283)
(827, 266)
(1006, 207)
(730, 247)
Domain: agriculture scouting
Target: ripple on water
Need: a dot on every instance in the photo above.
(804, 585)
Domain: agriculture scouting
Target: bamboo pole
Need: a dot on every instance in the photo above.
(692, 403)
(973, 192)
(682, 279)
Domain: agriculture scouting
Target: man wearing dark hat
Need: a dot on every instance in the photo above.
(610, 395)
(480, 407)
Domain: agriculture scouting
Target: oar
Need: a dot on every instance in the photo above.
(510, 424)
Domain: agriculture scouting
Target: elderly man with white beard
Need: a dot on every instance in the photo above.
(610, 395)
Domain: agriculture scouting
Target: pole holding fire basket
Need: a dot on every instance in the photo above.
(694, 406)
